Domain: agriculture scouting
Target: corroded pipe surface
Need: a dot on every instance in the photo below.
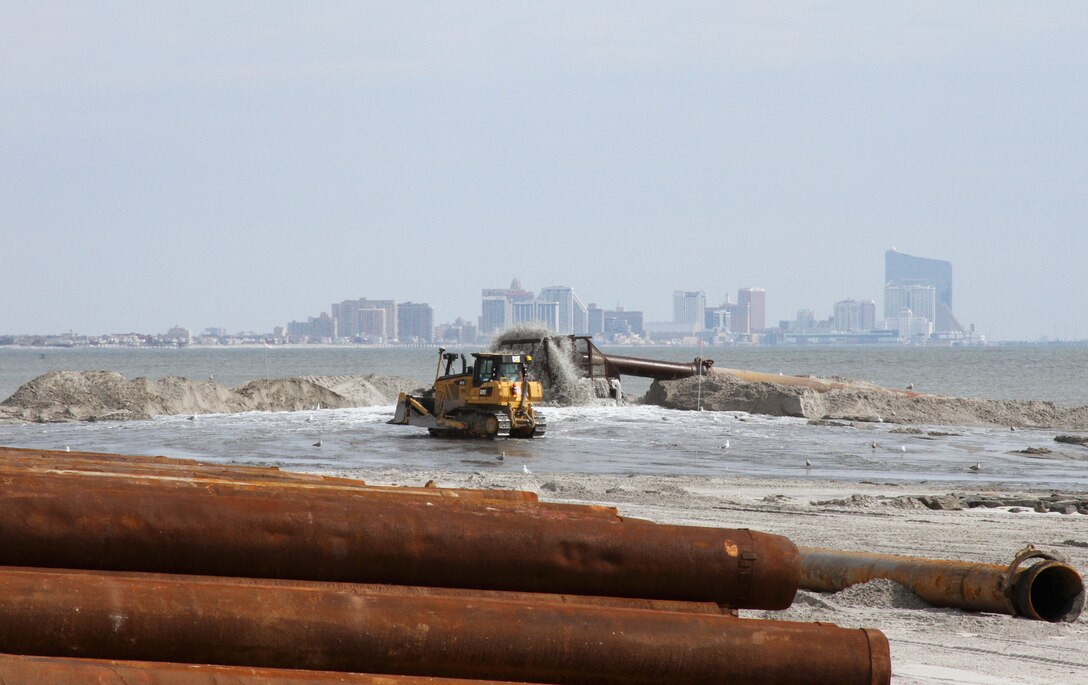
(202, 528)
(40, 670)
(413, 591)
(203, 621)
(90, 463)
(1049, 590)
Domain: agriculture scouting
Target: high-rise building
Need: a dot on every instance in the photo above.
(756, 299)
(347, 317)
(740, 318)
(847, 316)
(497, 307)
(921, 300)
(866, 315)
(415, 322)
(716, 318)
(573, 315)
(689, 309)
(372, 324)
(496, 311)
(623, 322)
(907, 270)
(594, 320)
(315, 328)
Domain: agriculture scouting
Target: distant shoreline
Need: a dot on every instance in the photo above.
(665, 345)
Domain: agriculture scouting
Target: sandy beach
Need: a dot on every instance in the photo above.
(929, 645)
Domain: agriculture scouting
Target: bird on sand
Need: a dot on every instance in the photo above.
(976, 467)
(910, 386)
(525, 469)
(318, 443)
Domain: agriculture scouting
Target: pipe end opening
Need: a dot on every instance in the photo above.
(1051, 591)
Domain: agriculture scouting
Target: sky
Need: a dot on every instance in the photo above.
(245, 164)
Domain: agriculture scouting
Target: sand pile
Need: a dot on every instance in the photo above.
(859, 402)
(106, 395)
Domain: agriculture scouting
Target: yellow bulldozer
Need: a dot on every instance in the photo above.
(491, 398)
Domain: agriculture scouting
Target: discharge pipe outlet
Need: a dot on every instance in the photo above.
(203, 620)
(1049, 590)
(204, 528)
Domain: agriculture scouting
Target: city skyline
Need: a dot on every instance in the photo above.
(560, 308)
(917, 304)
(234, 165)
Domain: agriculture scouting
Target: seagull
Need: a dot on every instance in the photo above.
(309, 419)
(873, 445)
(976, 467)
(67, 448)
(502, 456)
(318, 443)
(525, 469)
(726, 446)
(902, 448)
(807, 463)
(910, 386)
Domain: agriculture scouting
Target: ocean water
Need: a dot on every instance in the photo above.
(598, 439)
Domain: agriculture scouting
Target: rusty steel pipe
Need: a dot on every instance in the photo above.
(125, 463)
(1049, 590)
(171, 481)
(205, 529)
(204, 621)
(652, 368)
(416, 591)
(39, 670)
(164, 467)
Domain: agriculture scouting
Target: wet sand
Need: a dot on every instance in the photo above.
(929, 645)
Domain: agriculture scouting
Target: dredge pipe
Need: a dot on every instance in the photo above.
(205, 529)
(654, 368)
(164, 468)
(22, 457)
(1048, 590)
(206, 621)
(40, 670)
(415, 591)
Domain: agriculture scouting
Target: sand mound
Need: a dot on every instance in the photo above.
(859, 402)
(107, 395)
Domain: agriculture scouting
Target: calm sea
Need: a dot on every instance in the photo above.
(1059, 374)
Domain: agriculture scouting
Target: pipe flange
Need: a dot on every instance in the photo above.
(1007, 585)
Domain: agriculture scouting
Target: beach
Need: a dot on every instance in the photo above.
(929, 645)
(862, 480)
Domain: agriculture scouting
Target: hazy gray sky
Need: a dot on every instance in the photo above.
(243, 164)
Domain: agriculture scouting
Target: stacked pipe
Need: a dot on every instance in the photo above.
(136, 567)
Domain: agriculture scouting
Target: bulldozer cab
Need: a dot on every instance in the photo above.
(450, 358)
(499, 367)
